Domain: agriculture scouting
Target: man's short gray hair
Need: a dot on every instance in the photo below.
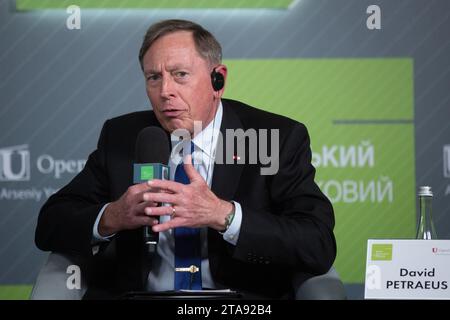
(206, 44)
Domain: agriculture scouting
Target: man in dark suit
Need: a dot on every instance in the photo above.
(257, 230)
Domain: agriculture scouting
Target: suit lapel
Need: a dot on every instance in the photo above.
(226, 176)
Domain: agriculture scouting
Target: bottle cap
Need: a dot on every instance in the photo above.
(425, 191)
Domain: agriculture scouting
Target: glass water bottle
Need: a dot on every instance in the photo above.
(425, 228)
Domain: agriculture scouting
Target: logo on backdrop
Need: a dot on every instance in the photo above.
(15, 163)
(17, 167)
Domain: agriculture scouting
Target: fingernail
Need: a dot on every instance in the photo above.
(149, 182)
(148, 211)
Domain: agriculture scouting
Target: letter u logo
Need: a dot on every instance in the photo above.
(15, 163)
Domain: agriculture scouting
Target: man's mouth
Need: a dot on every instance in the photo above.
(172, 113)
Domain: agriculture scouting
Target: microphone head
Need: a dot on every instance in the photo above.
(152, 146)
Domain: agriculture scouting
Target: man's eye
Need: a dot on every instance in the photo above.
(181, 74)
(152, 77)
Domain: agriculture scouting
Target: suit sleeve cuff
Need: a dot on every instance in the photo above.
(232, 234)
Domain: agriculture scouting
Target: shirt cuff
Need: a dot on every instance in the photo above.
(232, 234)
(96, 236)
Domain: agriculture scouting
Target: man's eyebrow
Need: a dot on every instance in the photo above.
(177, 67)
(151, 71)
(170, 69)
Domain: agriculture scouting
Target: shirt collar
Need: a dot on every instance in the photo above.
(206, 139)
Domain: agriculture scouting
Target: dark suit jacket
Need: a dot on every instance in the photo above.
(287, 223)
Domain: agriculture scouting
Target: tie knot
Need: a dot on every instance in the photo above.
(180, 173)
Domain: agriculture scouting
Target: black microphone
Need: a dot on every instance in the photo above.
(152, 155)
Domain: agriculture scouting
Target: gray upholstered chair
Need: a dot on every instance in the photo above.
(51, 282)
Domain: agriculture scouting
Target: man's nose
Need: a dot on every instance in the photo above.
(167, 88)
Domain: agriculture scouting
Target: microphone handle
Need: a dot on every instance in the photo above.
(141, 174)
(150, 239)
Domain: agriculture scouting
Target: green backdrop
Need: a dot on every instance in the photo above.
(359, 113)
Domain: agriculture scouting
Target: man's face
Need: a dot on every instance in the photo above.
(178, 82)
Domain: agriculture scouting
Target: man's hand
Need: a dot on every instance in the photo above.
(127, 212)
(195, 204)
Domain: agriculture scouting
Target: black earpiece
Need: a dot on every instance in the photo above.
(217, 80)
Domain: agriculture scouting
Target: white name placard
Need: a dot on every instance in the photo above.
(407, 269)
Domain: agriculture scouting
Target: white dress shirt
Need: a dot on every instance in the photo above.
(161, 276)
